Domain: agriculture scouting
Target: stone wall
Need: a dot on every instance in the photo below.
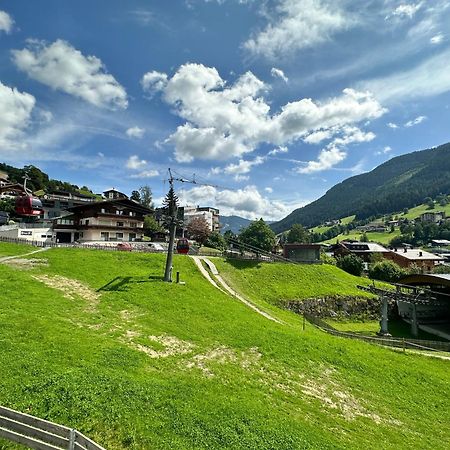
(338, 307)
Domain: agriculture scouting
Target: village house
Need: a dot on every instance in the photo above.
(211, 216)
(57, 203)
(121, 219)
(414, 257)
(364, 250)
(433, 217)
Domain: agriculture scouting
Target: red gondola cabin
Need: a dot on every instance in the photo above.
(28, 206)
(183, 246)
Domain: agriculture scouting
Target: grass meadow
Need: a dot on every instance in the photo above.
(97, 341)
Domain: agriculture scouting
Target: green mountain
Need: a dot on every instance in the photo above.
(402, 182)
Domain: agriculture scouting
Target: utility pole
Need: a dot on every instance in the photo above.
(171, 219)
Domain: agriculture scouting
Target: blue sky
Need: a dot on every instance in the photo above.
(271, 102)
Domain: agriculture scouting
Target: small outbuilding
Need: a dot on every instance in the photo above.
(307, 253)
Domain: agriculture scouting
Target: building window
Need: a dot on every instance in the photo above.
(104, 235)
(132, 237)
(103, 211)
(133, 224)
(119, 235)
(119, 224)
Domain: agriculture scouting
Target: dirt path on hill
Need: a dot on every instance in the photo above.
(225, 286)
(7, 258)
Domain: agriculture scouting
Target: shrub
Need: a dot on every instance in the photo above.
(441, 269)
(351, 264)
(386, 271)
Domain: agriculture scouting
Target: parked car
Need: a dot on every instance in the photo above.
(124, 247)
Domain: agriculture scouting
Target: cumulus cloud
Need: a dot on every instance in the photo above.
(415, 121)
(64, 68)
(246, 202)
(318, 136)
(6, 22)
(243, 166)
(335, 152)
(328, 157)
(135, 132)
(298, 24)
(134, 163)
(278, 73)
(269, 190)
(153, 82)
(392, 125)
(15, 113)
(225, 121)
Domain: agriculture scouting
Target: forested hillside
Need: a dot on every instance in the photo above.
(402, 182)
(39, 180)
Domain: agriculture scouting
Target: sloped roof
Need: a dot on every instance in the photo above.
(417, 254)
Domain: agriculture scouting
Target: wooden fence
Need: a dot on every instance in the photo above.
(41, 434)
(415, 344)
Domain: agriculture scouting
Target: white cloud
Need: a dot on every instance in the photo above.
(429, 78)
(15, 113)
(385, 150)
(328, 158)
(415, 121)
(278, 73)
(146, 174)
(153, 82)
(298, 24)
(135, 132)
(6, 22)
(407, 10)
(226, 121)
(243, 166)
(246, 202)
(392, 125)
(437, 39)
(62, 67)
(318, 136)
(278, 150)
(335, 152)
(134, 163)
(269, 190)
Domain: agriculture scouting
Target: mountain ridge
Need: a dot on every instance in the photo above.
(401, 182)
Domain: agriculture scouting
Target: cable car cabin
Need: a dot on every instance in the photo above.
(183, 246)
(28, 206)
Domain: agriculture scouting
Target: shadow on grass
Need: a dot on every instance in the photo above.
(244, 263)
(123, 283)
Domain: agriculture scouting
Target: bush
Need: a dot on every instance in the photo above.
(441, 269)
(351, 264)
(216, 240)
(387, 271)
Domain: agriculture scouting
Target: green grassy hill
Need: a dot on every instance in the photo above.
(96, 341)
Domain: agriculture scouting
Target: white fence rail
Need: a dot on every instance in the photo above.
(41, 434)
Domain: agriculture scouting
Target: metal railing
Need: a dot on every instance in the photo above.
(41, 434)
(405, 343)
